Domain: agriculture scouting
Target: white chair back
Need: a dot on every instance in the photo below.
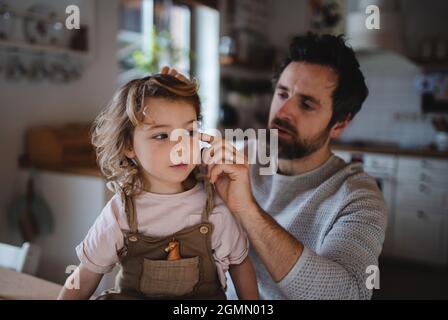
(21, 259)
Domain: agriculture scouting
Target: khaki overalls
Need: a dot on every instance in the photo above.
(146, 274)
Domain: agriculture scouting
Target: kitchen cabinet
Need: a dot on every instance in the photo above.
(421, 221)
(420, 234)
(424, 163)
(421, 194)
(383, 169)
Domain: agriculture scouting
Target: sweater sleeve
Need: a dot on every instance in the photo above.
(354, 242)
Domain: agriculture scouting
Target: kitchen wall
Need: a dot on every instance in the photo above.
(24, 104)
(423, 20)
(392, 112)
(287, 19)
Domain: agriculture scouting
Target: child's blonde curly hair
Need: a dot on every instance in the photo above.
(113, 129)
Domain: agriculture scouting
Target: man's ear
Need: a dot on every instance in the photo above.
(339, 128)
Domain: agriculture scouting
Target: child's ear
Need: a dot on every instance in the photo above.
(129, 152)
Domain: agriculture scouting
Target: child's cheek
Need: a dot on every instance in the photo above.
(149, 152)
(159, 151)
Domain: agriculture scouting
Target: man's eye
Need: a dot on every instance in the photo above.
(306, 106)
(160, 136)
(282, 95)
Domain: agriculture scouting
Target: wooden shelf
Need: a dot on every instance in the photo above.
(42, 48)
(427, 152)
(245, 72)
(431, 66)
(435, 67)
(83, 170)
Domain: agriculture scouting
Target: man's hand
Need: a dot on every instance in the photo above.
(227, 167)
(228, 170)
(173, 72)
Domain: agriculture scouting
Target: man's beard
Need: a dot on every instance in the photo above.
(295, 147)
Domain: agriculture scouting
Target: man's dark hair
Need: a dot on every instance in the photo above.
(331, 51)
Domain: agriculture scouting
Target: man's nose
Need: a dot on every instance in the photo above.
(287, 110)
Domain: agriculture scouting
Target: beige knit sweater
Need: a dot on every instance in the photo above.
(338, 213)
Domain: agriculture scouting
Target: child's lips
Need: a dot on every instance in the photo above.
(180, 165)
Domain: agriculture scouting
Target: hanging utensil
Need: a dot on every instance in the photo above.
(30, 213)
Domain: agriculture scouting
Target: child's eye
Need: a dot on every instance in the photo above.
(160, 136)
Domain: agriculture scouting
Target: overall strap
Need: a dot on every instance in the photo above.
(131, 214)
(128, 205)
(209, 203)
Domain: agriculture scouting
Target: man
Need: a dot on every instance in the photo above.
(316, 224)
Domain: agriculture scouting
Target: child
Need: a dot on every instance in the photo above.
(173, 238)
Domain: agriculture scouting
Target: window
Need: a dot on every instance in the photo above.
(175, 20)
(180, 33)
(153, 33)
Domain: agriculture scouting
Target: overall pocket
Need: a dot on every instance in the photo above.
(163, 278)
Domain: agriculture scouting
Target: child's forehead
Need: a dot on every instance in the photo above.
(163, 112)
